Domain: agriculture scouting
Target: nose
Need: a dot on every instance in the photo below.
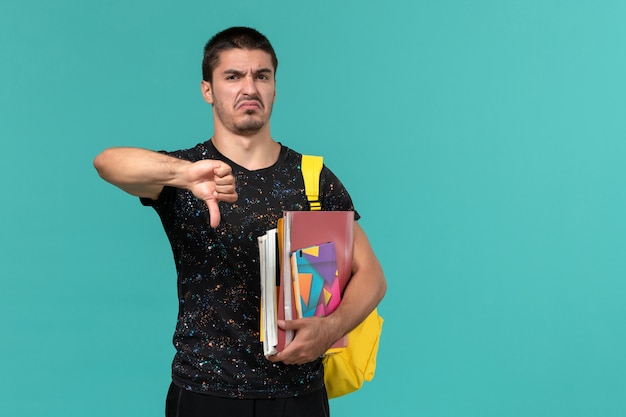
(249, 86)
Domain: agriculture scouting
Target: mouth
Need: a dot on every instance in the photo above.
(249, 105)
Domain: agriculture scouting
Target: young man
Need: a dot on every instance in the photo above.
(214, 200)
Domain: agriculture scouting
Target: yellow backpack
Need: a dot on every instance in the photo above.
(347, 368)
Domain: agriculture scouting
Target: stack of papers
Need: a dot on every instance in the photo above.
(305, 264)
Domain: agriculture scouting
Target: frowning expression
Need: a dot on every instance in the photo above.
(242, 92)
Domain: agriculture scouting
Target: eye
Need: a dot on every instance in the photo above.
(232, 77)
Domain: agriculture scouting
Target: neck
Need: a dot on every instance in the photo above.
(252, 152)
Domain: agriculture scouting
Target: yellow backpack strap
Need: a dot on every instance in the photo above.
(311, 169)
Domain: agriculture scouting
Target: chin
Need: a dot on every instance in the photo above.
(249, 129)
(249, 125)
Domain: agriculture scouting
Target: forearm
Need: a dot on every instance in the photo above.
(365, 290)
(140, 172)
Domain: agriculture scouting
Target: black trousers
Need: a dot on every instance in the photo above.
(183, 403)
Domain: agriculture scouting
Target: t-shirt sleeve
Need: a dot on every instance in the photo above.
(166, 195)
(335, 196)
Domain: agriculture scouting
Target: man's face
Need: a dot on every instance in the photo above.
(243, 91)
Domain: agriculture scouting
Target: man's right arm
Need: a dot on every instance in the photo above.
(139, 172)
(144, 173)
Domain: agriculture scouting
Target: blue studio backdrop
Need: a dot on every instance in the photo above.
(482, 142)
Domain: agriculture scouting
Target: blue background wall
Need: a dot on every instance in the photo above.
(482, 141)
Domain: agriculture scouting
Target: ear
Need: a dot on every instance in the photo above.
(207, 91)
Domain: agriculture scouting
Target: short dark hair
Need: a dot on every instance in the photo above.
(232, 38)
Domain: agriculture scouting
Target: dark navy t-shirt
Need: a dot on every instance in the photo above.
(218, 350)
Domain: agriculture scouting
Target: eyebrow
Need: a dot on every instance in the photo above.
(238, 72)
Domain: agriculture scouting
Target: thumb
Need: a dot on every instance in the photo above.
(289, 324)
(214, 212)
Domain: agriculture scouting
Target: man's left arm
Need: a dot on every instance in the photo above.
(364, 291)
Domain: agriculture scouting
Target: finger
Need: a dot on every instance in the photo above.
(226, 181)
(274, 358)
(214, 212)
(226, 193)
(289, 357)
(222, 170)
(283, 356)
